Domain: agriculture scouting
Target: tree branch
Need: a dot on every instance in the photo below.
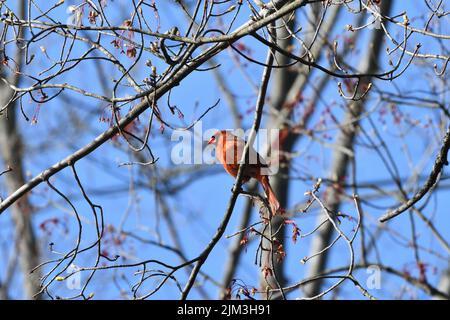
(238, 182)
(269, 15)
(439, 164)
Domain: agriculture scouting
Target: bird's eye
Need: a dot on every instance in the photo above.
(212, 140)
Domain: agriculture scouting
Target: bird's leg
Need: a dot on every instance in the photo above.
(239, 190)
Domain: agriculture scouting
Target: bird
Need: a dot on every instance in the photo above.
(229, 150)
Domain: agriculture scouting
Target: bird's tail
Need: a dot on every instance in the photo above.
(273, 201)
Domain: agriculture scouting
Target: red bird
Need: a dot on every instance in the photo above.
(229, 150)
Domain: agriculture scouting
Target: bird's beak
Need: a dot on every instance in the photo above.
(212, 140)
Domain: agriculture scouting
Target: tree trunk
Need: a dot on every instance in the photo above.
(11, 146)
(12, 151)
(340, 162)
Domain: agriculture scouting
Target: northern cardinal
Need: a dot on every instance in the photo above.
(229, 150)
